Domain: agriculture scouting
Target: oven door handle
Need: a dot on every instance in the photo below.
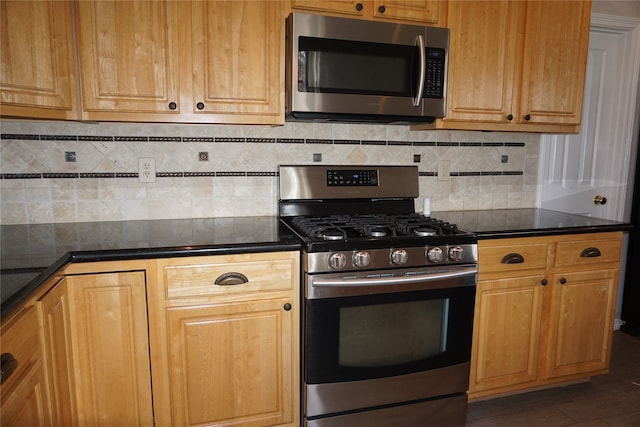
(380, 281)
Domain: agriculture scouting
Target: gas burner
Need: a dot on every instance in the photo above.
(378, 232)
(424, 232)
(330, 234)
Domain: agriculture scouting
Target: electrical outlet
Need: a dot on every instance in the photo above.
(147, 169)
(444, 170)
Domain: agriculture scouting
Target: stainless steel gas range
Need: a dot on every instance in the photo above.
(388, 299)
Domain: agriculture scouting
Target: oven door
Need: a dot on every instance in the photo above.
(404, 330)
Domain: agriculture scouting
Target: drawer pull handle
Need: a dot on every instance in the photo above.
(512, 258)
(8, 364)
(590, 252)
(232, 278)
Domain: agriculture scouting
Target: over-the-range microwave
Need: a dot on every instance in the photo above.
(361, 71)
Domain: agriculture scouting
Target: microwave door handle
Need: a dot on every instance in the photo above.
(423, 68)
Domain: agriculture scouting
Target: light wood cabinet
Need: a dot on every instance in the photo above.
(516, 66)
(23, 391)
(544, 311)
(167, 61)
(95, 332)
(226, 330)
(38, 77)
(427, 12)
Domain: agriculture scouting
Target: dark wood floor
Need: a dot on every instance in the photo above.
(611, 400)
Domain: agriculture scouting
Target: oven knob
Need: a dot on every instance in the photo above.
(399, 256)
(435, 254)
(361, 258)
(455, 253)
(337, 260)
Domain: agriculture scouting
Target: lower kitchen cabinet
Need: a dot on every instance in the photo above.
(95, 333)
(225, 333)
(544, 311)
(23, 389)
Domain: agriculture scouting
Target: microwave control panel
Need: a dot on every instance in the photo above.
(434, 80)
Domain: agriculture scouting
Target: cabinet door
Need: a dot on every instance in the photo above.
(581, 322)
(128, 60)
(233, 364)
(97, 336)
(238, 58)
(553, 75)
(426, 12)
(23, 390)
(38, 70)
(343, 7)
(506, 333)
(484, 54)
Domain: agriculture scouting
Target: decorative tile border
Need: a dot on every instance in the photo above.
(179, 139)
(27, 137)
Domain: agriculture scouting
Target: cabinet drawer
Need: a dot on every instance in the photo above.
(19, 346)
(587, 252)
(231, 274)
(494, 259)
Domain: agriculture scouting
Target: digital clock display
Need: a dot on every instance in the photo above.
(352, 178)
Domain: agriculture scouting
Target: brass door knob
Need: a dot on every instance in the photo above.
(599, 200)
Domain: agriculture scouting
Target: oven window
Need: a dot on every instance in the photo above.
(374, 336)
(392, 334)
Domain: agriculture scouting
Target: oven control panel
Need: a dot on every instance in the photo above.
(422, 256)
(351, 178)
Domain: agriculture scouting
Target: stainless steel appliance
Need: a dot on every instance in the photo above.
(388, 299)
(354, 70)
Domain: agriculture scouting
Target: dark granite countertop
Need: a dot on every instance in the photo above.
(504, 223)
(32, 253)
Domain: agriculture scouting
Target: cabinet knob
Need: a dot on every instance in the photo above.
(527, 117)
(563, 281)
(358, 7)
(200, 105)
(543, 282)
(173, 106)
(510, 117)
(381, 9)
(287, 307)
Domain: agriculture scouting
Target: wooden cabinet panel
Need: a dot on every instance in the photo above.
(554, 69)
(417, 12)
(38, 76)
(96, 333)
(581, 322)
(506, 355)
(587, 252)
(263, 272)
(129, 60)
(545, 323)
(512, 255)
(516, 66)
(482, 59)
(233, 364)
(226, 355)
(23, 391)
(238, 60)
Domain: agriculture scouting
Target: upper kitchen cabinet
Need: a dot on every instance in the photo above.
(129, 60)
(237, 58)
(38, 76)
(430, 12)
(168, 61)
(516, 66)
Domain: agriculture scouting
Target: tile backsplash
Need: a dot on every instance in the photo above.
(100, 183)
